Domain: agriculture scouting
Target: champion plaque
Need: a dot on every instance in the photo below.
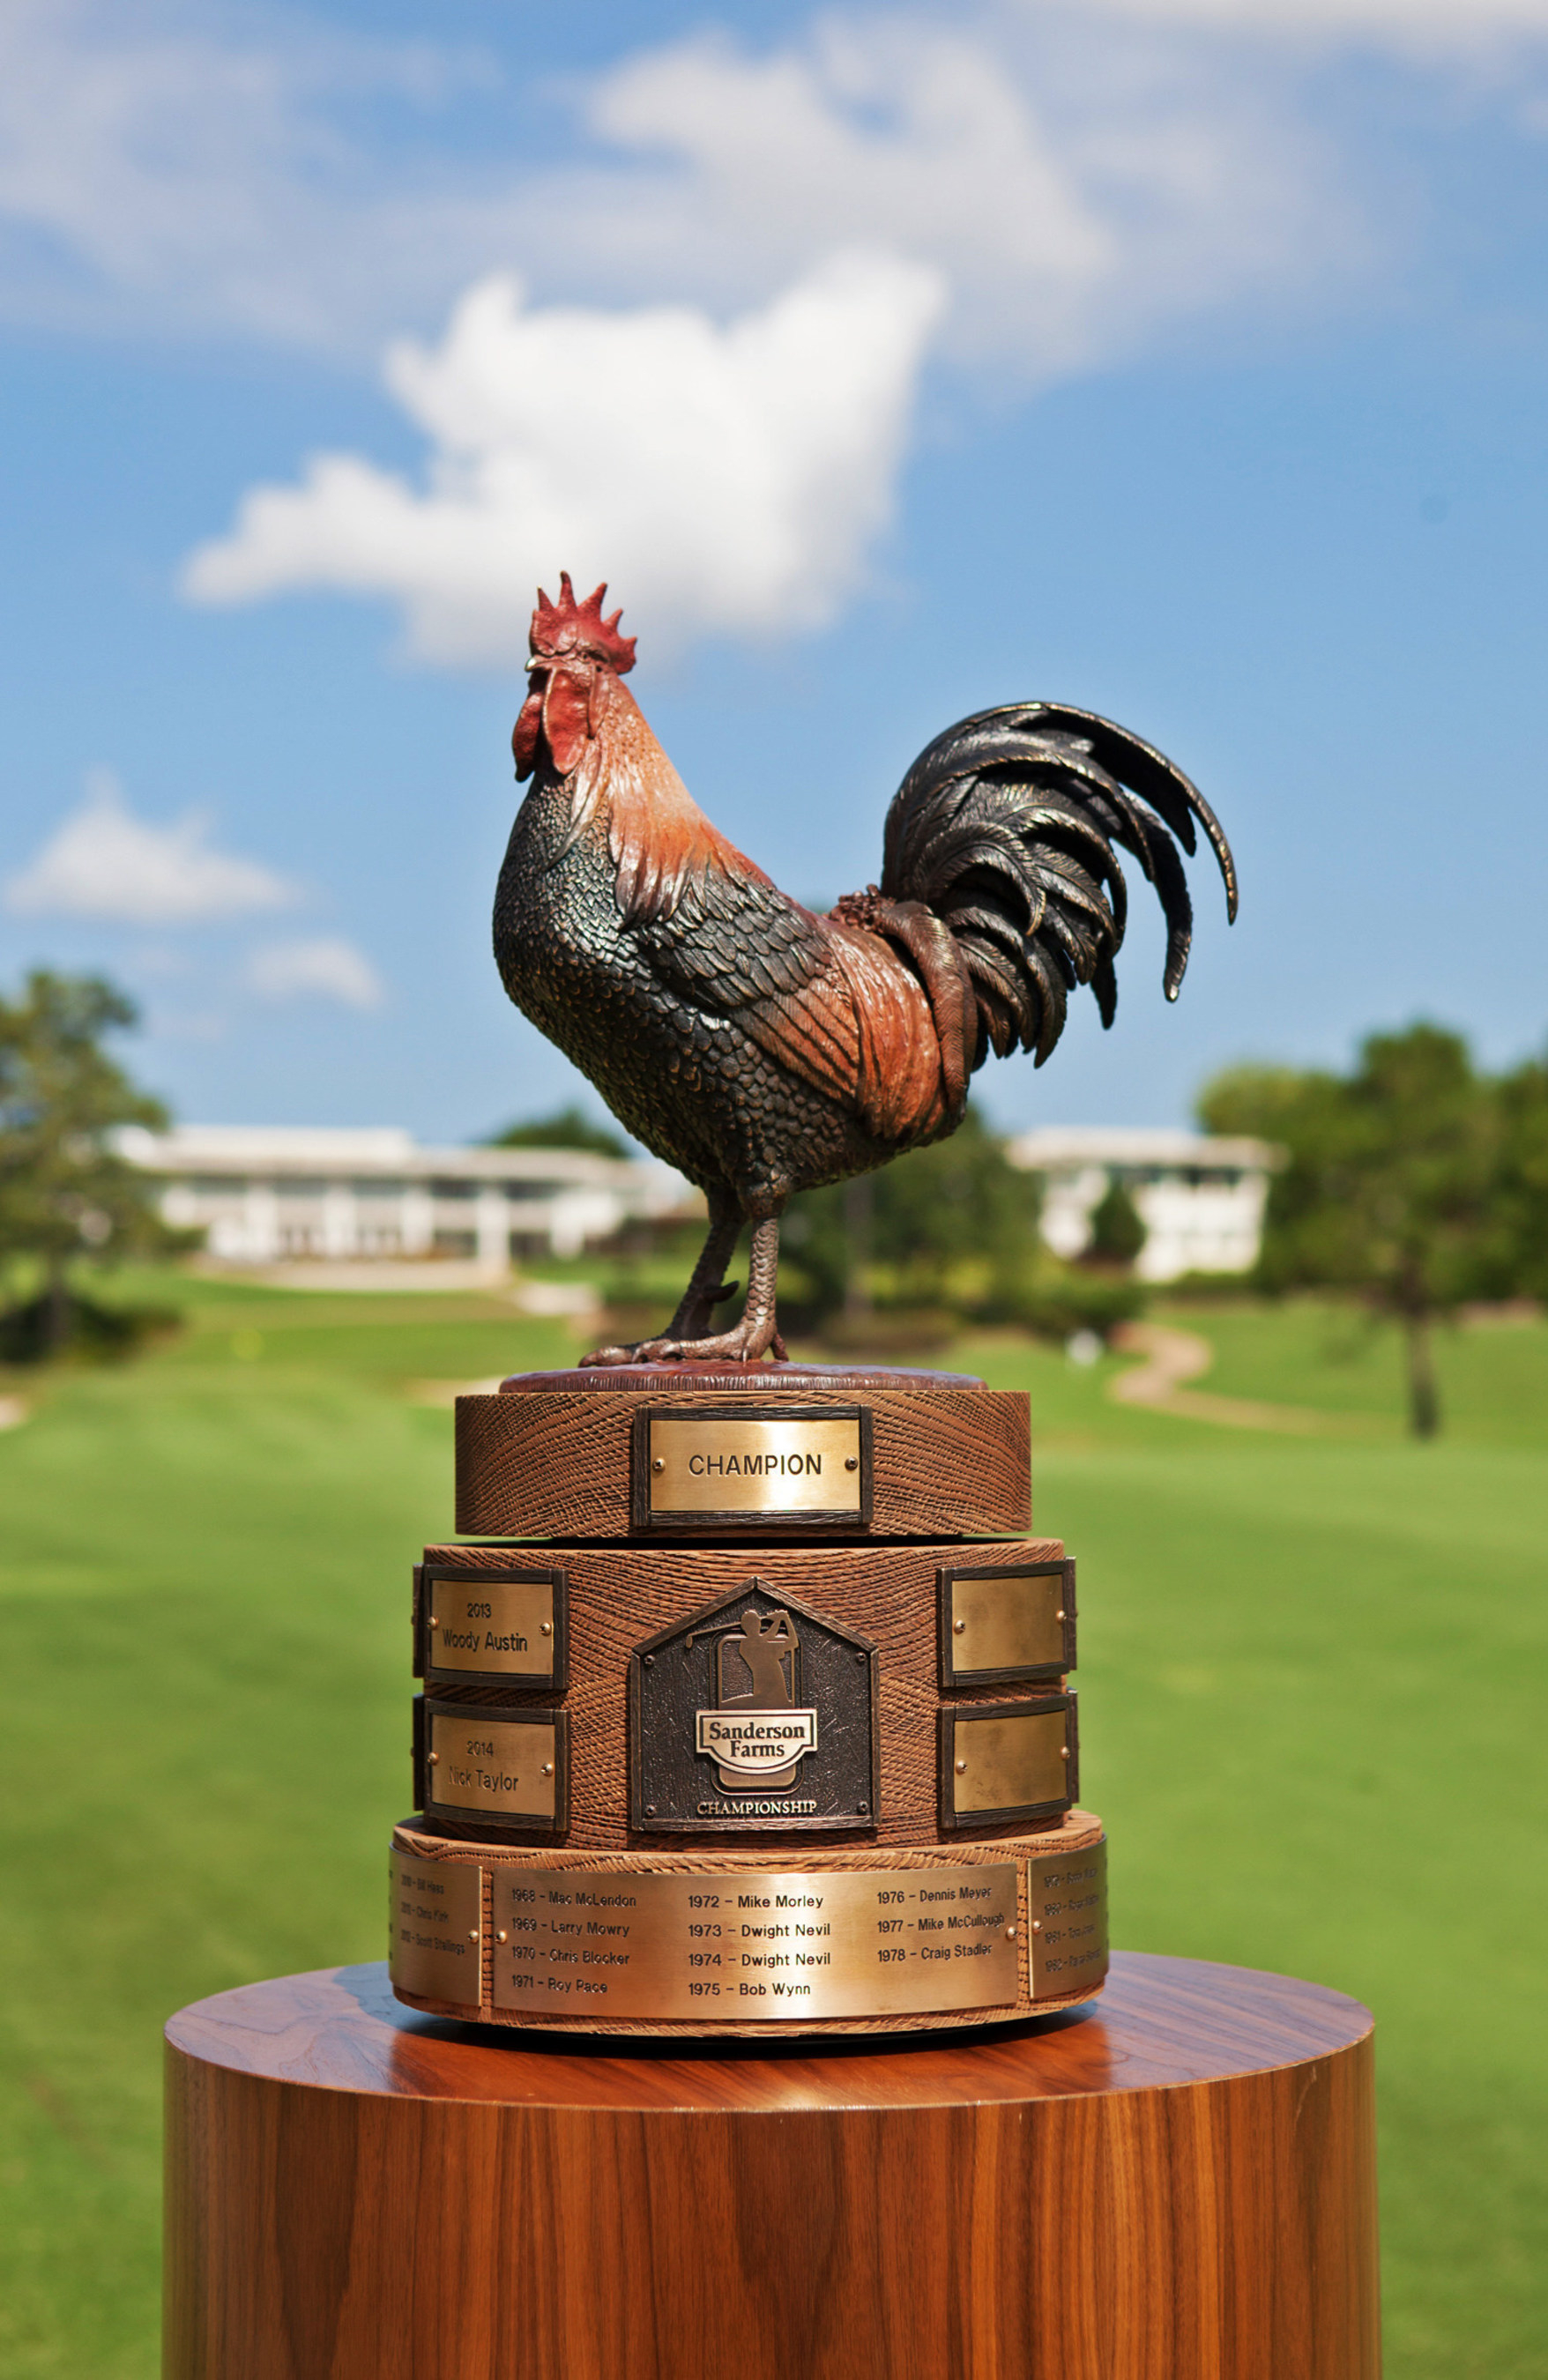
(756, 1715)
(786, 1464)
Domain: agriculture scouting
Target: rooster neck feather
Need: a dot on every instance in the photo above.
(662, 846)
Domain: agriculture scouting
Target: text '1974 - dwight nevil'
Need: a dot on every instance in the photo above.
(764, 1049)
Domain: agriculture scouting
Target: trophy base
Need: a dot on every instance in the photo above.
(1179, 2181)
(880, 1940)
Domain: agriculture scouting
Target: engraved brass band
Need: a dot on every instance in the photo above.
(1067, 1919)
(876, 1942)
(733, 1946)
(435, 1929)
(698, 1469)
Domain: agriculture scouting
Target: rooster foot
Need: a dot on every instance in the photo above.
(747, 1343)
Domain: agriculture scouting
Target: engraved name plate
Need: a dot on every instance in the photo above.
(1005, 1761)
(694, 1468)
(495, 1624)
(1002, 1625)
(507, 1768)
(435, 1929)
(1067, 1918)
(872, 1942)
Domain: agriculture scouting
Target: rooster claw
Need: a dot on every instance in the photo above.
(644, 1351)
(746, 1345)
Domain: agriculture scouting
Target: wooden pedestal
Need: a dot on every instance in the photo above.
(1174, 2183)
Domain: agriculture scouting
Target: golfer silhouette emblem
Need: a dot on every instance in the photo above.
(757, 1734)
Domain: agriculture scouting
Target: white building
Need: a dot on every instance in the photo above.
(1200, 1200)
(275, 1193)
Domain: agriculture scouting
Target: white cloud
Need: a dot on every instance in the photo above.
(177, 167)
(1456, 25)
(1078, 177)
(105, 863)
(1075, 184)
(168, 167)
(721, 478)
(328, 968)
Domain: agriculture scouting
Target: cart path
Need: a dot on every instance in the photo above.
(1170, 1357)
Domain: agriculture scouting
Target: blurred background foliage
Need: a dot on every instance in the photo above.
(1414, 1184)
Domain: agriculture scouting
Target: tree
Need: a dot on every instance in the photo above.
(567, 1128)
(1117, 1230)
(1517, 1262)
(65, 1192)
(948, 1225)
(1389, 1186)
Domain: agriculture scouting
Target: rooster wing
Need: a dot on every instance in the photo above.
(832, 1004)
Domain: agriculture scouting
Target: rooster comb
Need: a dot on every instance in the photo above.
(568, 626)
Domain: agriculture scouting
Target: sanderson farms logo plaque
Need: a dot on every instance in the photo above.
(755, 1715)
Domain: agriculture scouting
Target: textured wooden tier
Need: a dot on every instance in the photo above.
(1078, 1831)
(620, 1594)
(551, 1455)
(1176, 2183)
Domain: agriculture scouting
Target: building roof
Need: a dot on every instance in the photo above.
(1057, 1146)
(312, 1149)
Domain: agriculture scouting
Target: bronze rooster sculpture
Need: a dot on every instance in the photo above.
(762, 1049)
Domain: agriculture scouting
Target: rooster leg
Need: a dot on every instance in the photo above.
(754, 1335)
(706, 1288)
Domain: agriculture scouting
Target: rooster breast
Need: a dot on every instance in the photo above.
(741, 1039)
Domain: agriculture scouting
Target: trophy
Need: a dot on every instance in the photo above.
(746, 1703)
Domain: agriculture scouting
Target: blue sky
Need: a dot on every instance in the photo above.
(1183, 358)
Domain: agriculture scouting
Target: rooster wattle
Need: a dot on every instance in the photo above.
(764, 1049)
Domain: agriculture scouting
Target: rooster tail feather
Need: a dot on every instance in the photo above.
(1009, 828)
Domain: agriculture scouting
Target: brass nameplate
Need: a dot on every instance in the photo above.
(435, 1929)
(1005, 1760)
(696, 1467)
(862, 1942)
(1067, 1919)
(491, 1627)
(997, 1626)
(503, 1765)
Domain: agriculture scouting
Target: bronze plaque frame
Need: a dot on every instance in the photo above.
(1025, 1673)
(861, 1769)
(839, 1519)
(427, 1575)
(1024, 1814)
(455, 1819)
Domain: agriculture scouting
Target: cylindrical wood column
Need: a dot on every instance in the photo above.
(1176, 2182)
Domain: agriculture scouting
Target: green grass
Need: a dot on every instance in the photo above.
(1494, 1374)
(1312, 1674)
